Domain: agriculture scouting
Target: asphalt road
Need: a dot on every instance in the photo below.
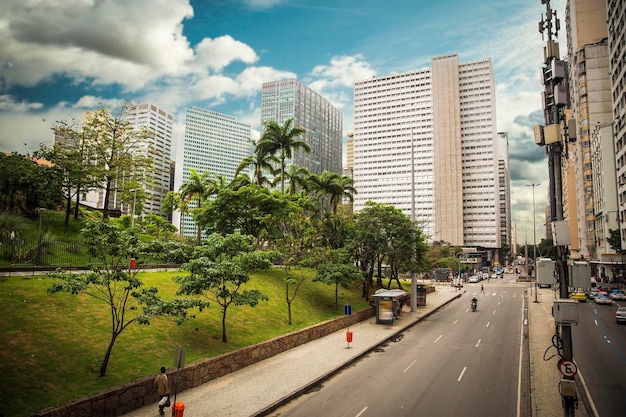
(599, 346)
(454, 363)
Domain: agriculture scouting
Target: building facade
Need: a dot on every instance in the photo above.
(616, 11)
(590, 102)
(425, 142)
(212, 142)
(281, 100)
(161, 123)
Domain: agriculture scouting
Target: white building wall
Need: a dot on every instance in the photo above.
(212, 142)
(394, 111)
(161, 123)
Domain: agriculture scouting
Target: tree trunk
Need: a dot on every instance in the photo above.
(68, 210)
(77, 203)
(105, 361)
(224, 340)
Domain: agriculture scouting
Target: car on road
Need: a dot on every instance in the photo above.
(603, 298)
(578, 296)
(494, 276)
(592, 294)
(473, 278)
(617, 295)
(620, 315)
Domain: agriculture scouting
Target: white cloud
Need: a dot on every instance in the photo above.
(218, 53)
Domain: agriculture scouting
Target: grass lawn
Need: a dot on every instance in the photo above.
(52, 345)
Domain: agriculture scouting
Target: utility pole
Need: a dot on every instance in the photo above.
(554, 136)
(534, 241)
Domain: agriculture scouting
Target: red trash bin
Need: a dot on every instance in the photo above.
(178, 410)
(349, 336)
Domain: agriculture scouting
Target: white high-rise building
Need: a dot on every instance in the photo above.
(323, 122)
(212, 142)
(160, 122)
(425, 142)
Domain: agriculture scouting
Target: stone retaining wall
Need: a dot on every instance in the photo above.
(123, 399)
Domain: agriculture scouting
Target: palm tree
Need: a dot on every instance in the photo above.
(325, 185)
(297, 178)
(261, 161)
(196, 189)
(347, 184)
(283, 140)
(333, 186)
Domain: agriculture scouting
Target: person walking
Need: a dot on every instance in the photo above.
(482, 289)
(160, 383)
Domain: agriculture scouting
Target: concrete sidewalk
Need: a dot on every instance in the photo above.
(260, 388)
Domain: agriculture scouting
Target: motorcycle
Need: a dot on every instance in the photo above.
(474, 305)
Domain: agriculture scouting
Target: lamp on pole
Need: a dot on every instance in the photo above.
(41, 210)
(134, 191)
(534, 240)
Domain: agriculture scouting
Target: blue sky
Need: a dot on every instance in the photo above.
(60, 58)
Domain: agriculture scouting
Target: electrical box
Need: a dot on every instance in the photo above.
(545, 271)
(560, 233)
(567, 387)
(552, 133)
(538, 130)
(579, 275)
(565, 311)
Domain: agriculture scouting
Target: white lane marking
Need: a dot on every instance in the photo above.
(455, 321)
(498, 302)
(462, 372)
(494, 312)
(488, 324)
(361, 412)
(519, 366)
(407, 368)
(437, 339)
(478, 343)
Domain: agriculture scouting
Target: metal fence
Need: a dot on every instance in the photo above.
(43, 252)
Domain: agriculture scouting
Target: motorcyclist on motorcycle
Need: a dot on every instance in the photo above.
(474, 304)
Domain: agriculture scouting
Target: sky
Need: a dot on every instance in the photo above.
(59, 58)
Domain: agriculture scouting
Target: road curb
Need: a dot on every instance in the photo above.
(307, 387)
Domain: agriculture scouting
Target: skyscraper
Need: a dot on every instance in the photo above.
(160, 122)
(425, 141)
(590, 101)
(286, 99)
(212, 142)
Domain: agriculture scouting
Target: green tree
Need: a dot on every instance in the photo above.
(243, 210)
(25, 186)
(383, 232)
(220, 269)
(261, 162)
(297, 245)
(337, 269)
(121, 151)
(73, 158)
(116, 284)
(196, 190)
(282, 139)
(615, 240)
(297, 177)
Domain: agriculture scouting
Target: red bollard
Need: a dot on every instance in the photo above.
(349, 336)
(132, 263)
(178, 410)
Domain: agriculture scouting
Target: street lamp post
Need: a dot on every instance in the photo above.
(534, 240)
(134, 191)
(41, 210)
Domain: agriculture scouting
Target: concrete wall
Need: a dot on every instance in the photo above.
(123, 399)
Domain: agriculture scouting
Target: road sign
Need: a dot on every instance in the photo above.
(347, 309)
(567, 368)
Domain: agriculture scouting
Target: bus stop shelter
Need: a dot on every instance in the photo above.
(388, 305)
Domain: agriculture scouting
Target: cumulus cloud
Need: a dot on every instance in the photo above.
(218, 53)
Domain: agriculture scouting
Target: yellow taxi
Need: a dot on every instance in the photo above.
(579, 295)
